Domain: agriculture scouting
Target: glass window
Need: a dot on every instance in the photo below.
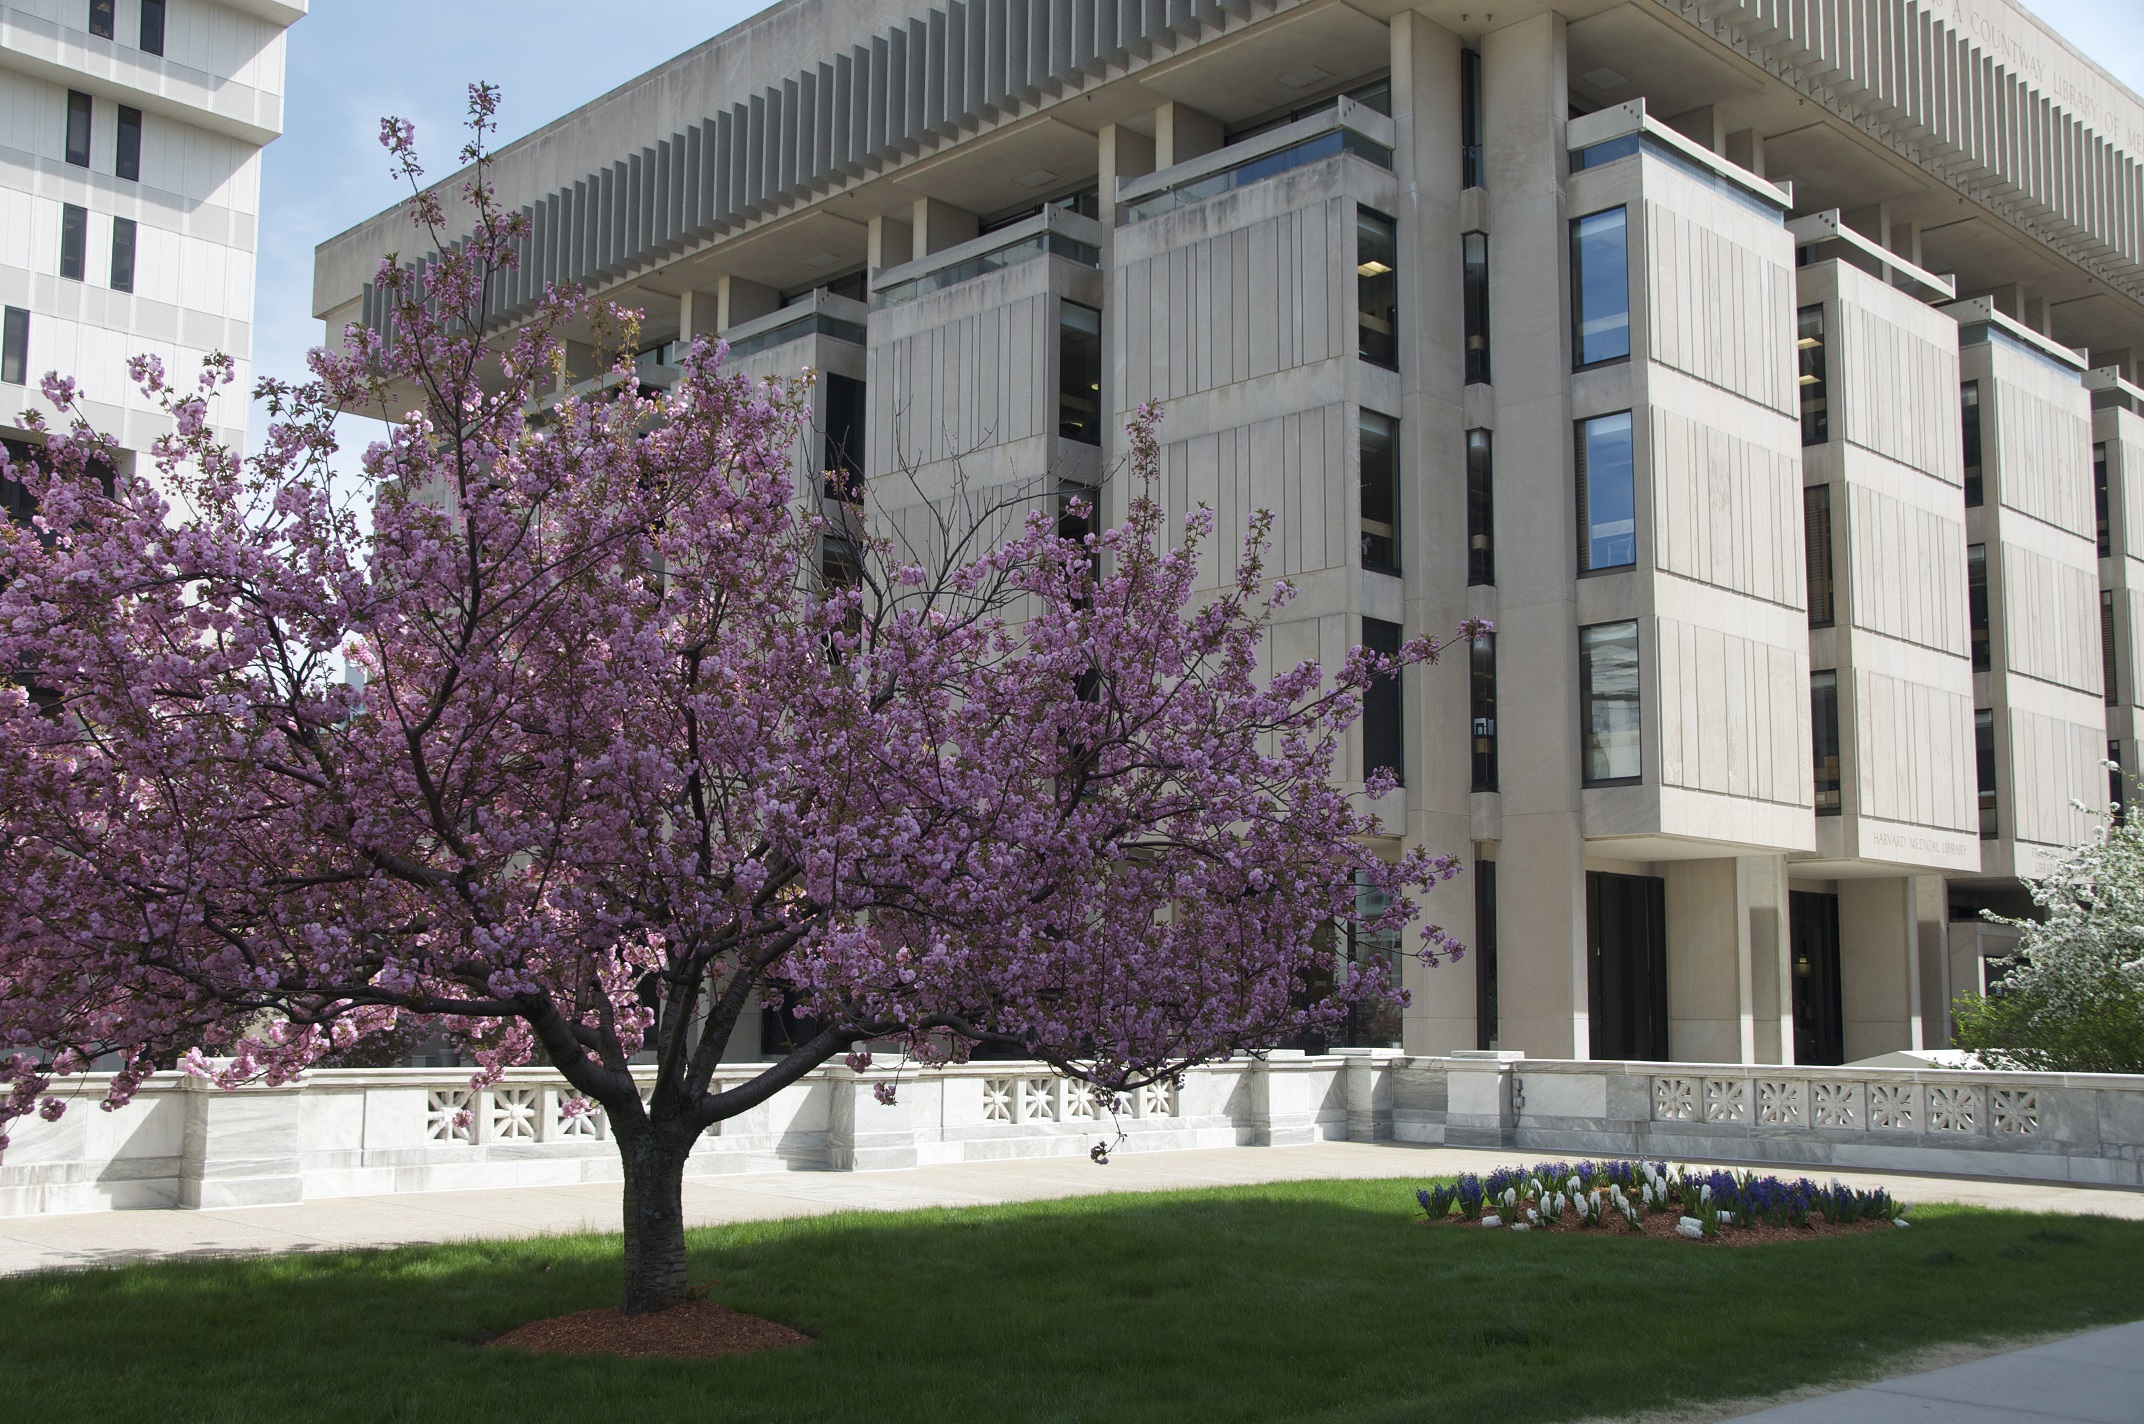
(1469, 118)
(1607, 495)
(74, 240)
(1079, 373)
(2108, 667)
(78, 128)
(1481, 510)
(152, 26)
(1380, 492)
(1976, 605)
(123, 234)
(1377, 288)
(1474, 249)
(1816, 553)
(1969, 411)
(1816, 409)
(1481, 708)
(1484, 947)
(1984, 770)
(844, 438)
(1384, 743)
(100, 18)
(127, 157)
(1608, 701)
(2099, 497)
(14, 346)
(2117, 790)
(1824, 740)
(1600, 288)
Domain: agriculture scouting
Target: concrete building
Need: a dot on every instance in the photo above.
(1747, 363)
(130, 139)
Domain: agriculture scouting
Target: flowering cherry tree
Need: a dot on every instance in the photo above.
(622, 768)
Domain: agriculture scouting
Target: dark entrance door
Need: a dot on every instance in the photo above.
(1819, 1023)
(1627, 965)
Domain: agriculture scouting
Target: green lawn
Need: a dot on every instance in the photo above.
(1314, 1301)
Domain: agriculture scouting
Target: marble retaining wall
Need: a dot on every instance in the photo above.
(361, 1132)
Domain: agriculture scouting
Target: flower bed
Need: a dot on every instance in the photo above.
(1654, 1199)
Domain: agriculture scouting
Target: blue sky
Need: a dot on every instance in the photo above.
(351, 61)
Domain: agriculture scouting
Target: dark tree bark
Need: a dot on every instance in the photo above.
(654, 1219)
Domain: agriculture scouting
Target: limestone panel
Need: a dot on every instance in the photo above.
(2055, 765)
(2051, 618)
(2045, 452)
(1727, 511)
(1900, 391)
(1908, 570)
(1734, 715)
(1717, 303)
(1914, 752)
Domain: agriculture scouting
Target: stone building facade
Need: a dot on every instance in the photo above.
(130, 139)
(1763, 371)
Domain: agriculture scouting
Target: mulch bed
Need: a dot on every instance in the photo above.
(697, 1330)
(1661, 1225)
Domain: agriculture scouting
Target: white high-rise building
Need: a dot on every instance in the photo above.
(130, 142)
(1766, 370)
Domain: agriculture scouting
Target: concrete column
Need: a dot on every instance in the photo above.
(1704, 127)
(938, 226)
(698, 314)
(1771, 964)
(888, 242)
(240, 1148)
(1182, 132)
(1708, 958)
(1879, 966)
(1125, 153)
(1367, 1078)
(737, 300)
(1284, 1105)
(1541, 857)
(1745, 149)
(1931, 923)
(1425, 119)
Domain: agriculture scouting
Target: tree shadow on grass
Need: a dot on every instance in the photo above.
(1303, 1301)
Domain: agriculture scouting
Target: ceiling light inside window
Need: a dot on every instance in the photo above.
(1372, 268)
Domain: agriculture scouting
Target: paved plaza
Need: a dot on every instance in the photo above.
(34, 1243)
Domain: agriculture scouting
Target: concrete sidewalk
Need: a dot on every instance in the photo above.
(2096, 1377)
(35, 1243)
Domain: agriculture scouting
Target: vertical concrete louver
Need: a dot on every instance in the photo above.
(1915, 79)
(954, 68)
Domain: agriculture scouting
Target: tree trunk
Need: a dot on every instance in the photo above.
(654, 1223)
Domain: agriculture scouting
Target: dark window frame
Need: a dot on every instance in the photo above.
(1377, 288)
(1583, 480)
(1481, 712)
(1481, 508)
(1820, 569)
(1380, 538)
(152, 26)
(1470, 119)
(1580, 313)
(1384, 703)
(1979, 630)
(74, 242)
(1812, 373)
(2101, 509)
(1985, 774)
(1073, 338)
(1484, 946)
(1970, 448)
(14, 346)
(1823, 739)
(1587, 696)
(102, 16)
(126, 147)
(1474, 303)
(81, 127)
